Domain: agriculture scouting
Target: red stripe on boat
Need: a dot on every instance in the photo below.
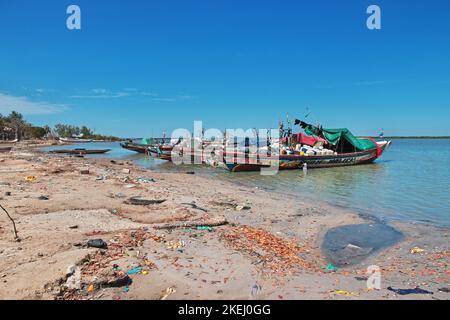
(378, 147)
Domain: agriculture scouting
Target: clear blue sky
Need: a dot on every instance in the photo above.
(138, 67)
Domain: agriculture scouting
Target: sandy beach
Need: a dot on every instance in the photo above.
(266, 245)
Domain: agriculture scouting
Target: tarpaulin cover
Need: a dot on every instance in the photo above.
(334, 135)
(308, 140)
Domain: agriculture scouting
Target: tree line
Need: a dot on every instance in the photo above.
(14, 126)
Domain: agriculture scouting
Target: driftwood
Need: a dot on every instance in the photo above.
(16, 236)
(194, 206)
(143, 202)
(219, 221)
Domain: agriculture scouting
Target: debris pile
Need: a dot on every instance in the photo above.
(99, 270)
(276, 254)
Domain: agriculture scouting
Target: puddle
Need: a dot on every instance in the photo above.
(350, 244)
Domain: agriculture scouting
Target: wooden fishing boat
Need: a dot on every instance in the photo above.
(136, 147)
(242, 162)
(81, 151)
(165, 152)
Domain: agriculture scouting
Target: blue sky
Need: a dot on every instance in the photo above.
(139, 67)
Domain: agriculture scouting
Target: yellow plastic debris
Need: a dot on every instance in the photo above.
(90, 288)
(417, 250)
(30, 178)
(145, 272)
(345, 293)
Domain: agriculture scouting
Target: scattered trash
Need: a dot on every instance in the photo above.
(97, 243)
(75, 226)
(209, 229)
(84, 171)
(43, 198)
(175, 245)
(168, 292)
(129, 186)
(126, 171)
(190, 172)
(134, 271)
(8, 193)
(145, 180)
(214, 222)
(91, 288)
(345, 293)
(417, 250)
(416, 290)
(30, 178)
(275, 254)
(143, 202)
(361, 278)
(331, 268)
(240, 208)
(126, 289)
(145, 272)
(444, 289)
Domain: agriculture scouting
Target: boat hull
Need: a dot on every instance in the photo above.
(291, 162)
(81, 151)
(140, 148)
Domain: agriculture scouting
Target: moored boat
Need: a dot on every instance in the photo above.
(80, 151)
(240, 162)
(343, 149)
(136, 147)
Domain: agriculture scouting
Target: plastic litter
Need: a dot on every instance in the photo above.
(30, 178)
(331, 268)
(345, 293)
(416, 290)
(97, 243)
(417, 250)
(209, 229)
(134, 271)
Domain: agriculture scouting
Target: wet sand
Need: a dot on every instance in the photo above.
(270, 248)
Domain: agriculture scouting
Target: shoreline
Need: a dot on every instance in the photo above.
(231, 261)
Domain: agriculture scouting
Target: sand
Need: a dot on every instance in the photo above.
(270, 248)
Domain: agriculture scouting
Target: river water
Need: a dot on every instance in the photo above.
(410, 182)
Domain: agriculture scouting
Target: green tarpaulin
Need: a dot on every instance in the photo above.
(334, 135)
(147, 141)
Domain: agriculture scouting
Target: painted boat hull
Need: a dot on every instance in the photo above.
(81, 151)
(140, 148)
(292, 162)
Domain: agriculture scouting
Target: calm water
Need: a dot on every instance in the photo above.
(410, 181)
